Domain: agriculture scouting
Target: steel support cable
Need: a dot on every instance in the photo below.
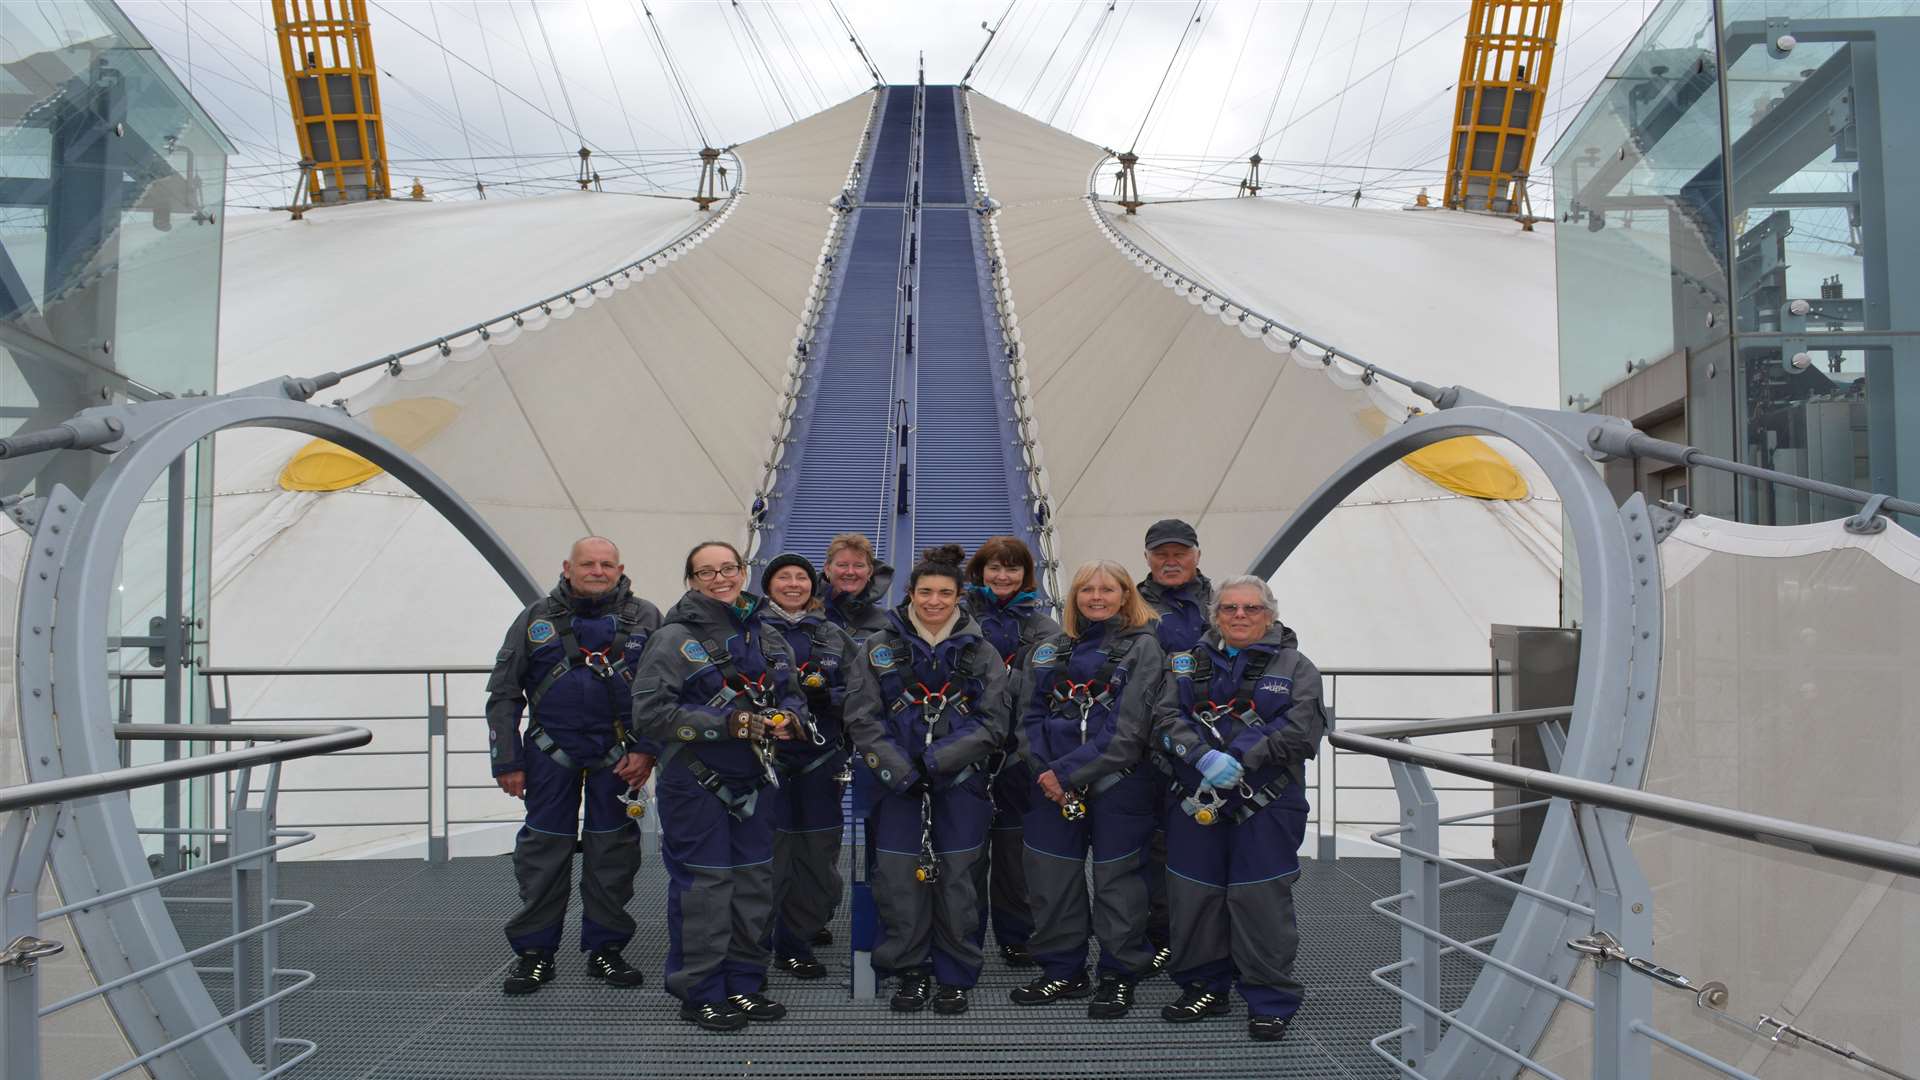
(506, 126)
(1002, 63)
(1324, 102)
(1048, 62)
(853, 36)
(836, 57)
(533, 66)
(1226, 93)
(1286, 71)
(1381, 113)
(619, 98)
(1079, 63)
(1192, 19)
(558, 75)
(806, 76)
(746, 65)
(1352, 58)
(672, 67)
(446, 65)
(992, 32)
(547, 112)
(1093, 84)
(1179, 76)
(773, 77)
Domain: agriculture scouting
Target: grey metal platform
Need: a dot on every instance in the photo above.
(410, 956)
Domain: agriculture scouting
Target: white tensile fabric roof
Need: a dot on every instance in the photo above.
(645, 415)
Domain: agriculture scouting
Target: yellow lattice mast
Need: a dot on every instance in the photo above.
(1503, 91)
(327, 54)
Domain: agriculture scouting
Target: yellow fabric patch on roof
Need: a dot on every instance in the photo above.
(324, 466)
(1468, 466)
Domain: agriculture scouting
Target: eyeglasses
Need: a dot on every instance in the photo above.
(708, 573)
(1242, 609)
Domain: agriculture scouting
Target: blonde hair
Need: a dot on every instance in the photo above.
(1134, 610)
(854, 542)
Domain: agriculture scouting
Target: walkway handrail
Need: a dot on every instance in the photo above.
(289, 741)
(1853, 848)
(1450, 725)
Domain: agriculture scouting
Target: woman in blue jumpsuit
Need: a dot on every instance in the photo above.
(934, 708)
(806, 807)
(1004, 598)
(712, 694)
(1086, 715)
(855, 596)
(1238, 718)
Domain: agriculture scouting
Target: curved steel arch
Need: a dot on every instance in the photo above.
(1614, 695)
(100, 850)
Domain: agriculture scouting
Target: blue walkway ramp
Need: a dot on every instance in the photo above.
(905, 429)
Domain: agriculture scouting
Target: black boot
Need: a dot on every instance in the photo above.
(1045, 989)
(1268, 1028)
(915, 988)
(714, 1015)
(1017, 956)
(822, 936)
(1196, 1003)
(530, 970)
(1162, 956)
(758, 1007)
(1113, 1000)
(609, 965)
(950, 1000)
(801, 967)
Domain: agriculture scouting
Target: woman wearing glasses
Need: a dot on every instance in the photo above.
(933, 708)
(713, 692)
(1237, 720)
(1086, 714)
(806, 808)
(1003, 595)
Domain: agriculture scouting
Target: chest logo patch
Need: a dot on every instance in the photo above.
(539, 631)
(1181, 663)
(1046, 654)
(693, 652)
(1276, 684)
(882, 657)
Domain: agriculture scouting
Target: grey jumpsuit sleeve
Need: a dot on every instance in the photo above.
(507, 697)
(1293, 742)
(866, 724)
(1133, 719)
(658, 714)
(956, 752)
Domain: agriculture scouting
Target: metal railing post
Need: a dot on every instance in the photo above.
(251, 831)
(1623, 913)
(1420, 881)
(1328, 820)
(438, 826)
(24, 844)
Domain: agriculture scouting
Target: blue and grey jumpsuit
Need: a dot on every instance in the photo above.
(707, 661)
(1014, 628)
(938, 711)
(1230, 883)
(1183, 621)
(807, 821)
(1087, 716)
(567, 663)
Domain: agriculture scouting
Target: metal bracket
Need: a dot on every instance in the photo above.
(1869, 521)
(27, 950)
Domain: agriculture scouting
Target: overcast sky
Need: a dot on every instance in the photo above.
(1331, 91)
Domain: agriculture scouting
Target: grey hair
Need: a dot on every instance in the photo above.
(1244, 581)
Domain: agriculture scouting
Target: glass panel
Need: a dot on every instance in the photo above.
(346, 135)
(310, 95)
(1640, 246)
(317, 138)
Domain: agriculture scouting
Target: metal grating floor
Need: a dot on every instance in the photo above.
(410, 957)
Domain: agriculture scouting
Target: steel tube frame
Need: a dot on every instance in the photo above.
(63, 629)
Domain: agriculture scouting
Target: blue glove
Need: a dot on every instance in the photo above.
(1220, 769)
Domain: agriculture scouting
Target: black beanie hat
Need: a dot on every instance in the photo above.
(781, 562)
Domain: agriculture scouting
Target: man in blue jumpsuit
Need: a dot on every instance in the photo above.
(1180, 594)
(568, 664)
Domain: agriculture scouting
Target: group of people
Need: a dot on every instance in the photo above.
(1159, 730)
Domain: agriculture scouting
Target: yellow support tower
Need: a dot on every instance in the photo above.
(1503, 88)
(327, 54)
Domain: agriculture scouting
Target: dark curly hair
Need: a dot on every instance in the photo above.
(943, 561)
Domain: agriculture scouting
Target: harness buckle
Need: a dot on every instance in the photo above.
(1073, 807)
(635, 802)
(1203, 806)
(597, 661)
